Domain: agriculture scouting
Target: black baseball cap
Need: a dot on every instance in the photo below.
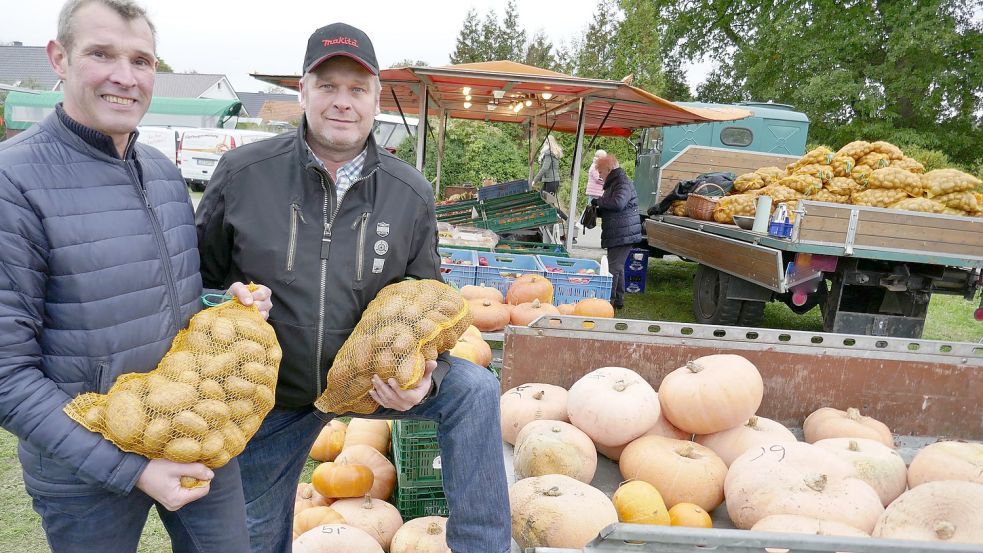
(340, 39)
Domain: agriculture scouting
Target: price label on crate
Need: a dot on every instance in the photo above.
(436, 463)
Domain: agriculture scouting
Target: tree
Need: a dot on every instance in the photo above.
(511, 41)
(409, 63)
(490, 35)
(539, 53)
(596, 52)
(163, 66)
(638, 48)
(469, 41)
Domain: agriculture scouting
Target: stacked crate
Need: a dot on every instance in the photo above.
(419, 480)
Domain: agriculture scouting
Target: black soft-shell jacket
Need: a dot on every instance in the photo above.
(271, 215)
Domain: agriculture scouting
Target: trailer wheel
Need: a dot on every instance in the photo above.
(752, 313)
(710, 302)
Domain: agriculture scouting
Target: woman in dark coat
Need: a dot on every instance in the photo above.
(621, 228)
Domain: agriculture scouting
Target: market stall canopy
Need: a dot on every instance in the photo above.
(510, 92)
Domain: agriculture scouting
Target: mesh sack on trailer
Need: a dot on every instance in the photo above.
(748, 181)
(856, 149)
(204, 400)
(407, 323)
(923, 205)
(946, 181)
(896, 179)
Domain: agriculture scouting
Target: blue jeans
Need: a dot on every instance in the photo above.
(466, 409)
(108, 523)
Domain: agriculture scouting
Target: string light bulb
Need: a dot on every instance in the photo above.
(466, 90)
(547, 95)
(467, 105)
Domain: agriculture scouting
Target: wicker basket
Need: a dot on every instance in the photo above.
(699, 206)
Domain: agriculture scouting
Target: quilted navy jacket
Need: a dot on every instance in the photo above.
(98, 271)
(618, 209)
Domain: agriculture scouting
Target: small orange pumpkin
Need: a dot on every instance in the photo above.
(688, 514)
(342, 480)
(593, 307)
(528, 287)
(525, 313)
(315, 516)
(329, 442)
(489, 316)
(482, 292)
(566, 308)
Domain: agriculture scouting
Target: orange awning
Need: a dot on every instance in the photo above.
(498, 87)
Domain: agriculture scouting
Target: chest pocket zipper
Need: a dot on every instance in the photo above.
(361, 225)
(296, 217)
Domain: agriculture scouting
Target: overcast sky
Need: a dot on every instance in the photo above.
(269, 36)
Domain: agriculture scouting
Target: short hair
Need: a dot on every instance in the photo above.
(599, 154)
(127, 9)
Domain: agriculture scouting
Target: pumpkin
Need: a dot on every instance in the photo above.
(378, 518)
(731, 443)
(944, 510)
(482, 292)
(489, 316)
(329, 442)
(473, 336)
(797, 478)
(308, 497)
(711, 393)
(421, 535)
(593, 307)
(947, 461)
(689, 515)
(371, 432)
(557, 511)
(554, 447)
(566, 308)
(874, 463)
(335, 538)
(383, 471)
(528, 402)
(526, 288)
(525, 313)
(638, 502)
(827, 422)
(682, 471)
(477, 351)
(342, 480)
(612, 405)
(662, 427)
(799, 524)
(315, 516)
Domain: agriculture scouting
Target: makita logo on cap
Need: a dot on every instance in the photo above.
(340, 40)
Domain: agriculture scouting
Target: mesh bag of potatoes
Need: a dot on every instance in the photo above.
(204, 400)
(728, 206)
(770, 174)
(806, 185)
(407, 323)
(748, 181)
(908, 164)
(822, 172)
(678, 208)
(896, 179)
(878, 197)
(886, 148)
(827, 196)
(817, 156)
(924, 205)
(842, 186)
(965, 201)
(875, 160)
(946, 181)
(861, 174)
(842, 165)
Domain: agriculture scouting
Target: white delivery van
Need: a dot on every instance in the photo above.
(200, 149)
(390, 131)
(164, 139)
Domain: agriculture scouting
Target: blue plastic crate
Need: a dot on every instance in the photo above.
(503, 189)
(503, 268)
(571, 286)
(455, 274)
(636, 270)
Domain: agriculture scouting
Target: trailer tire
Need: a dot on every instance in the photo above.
(710, 302)
(752, 313)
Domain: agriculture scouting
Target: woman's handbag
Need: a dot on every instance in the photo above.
(588, 219)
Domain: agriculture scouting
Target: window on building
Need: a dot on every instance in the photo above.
(736, 136)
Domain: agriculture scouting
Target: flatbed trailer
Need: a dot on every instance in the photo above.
(924, 390)
(883, 266)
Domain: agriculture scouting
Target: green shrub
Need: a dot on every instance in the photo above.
(931, 159)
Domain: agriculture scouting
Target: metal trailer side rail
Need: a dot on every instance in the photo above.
(644, 538)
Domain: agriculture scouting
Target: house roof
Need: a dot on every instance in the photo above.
(253, 102)
(281, 111)
(184, 85)
(26, 66)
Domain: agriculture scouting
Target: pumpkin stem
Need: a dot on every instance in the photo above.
(688, 451)
(434, 529)
(553, 492)
(694, 367)
(853, 414)
(535, 303)
(816, 482)
(486, 302)
(944, 529)
(854, 446)
(620, 386)
(539, 394)
(367, 502)
(752, 422)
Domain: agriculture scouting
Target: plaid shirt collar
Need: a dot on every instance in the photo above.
(348, 173)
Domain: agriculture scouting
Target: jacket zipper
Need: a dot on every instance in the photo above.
(159, 239)
(295, 214)
(325, 250)
(360, 253)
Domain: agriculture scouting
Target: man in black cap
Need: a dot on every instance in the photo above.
(326, 219)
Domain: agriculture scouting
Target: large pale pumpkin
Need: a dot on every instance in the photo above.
(827, 422)
(528, 402)
(308, 497)
(329, 442)
(662, 427)
(612, 405)
(554, 447)
(383, 471)
(638, 502)
(944, 510)
(711, 393)
(378, 518)
(874, 463)
(558, 511)
(421, 535)
(947, 461)
(336, 538)
(731, 443)
(798, 479)
(799, 524)
(682, 471)
(315, 516)
(528, 287)
(374, 433)
(526, 313)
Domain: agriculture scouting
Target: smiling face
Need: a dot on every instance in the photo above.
(109, 72)
(340, 103)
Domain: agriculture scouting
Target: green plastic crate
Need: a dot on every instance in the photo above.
(416, 454)
(519, 219)
(531, 248)
(420, 502)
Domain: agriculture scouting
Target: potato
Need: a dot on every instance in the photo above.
(201, 342)
(190, 423)
(963, 201)
(248, 350)
(239, 387)
(175, 363)
(256, 330)
(264, 398)
(223, 330)
(216, 412)
(258, 373)
(157, 434)
(875, 160)
(908, 164)
(127, 418)
(189, 377)
(202, 320)
(211, 389)
(241, 408)
(95, 418)
(274, 355)
(220, 459)
(183, 450)
(171, 397)
(235, 441)
(842, 165)
(842, 186)
(212, 444)
(770, 175)
(251, 424)
(136, 383)
(219, 365)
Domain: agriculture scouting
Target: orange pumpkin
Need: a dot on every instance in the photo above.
(342, 479)
(371, 432)
(593, 307)
(525, 313)
(482, 292)
(308, 497)
(566, 308)
(384, 471)
(473, 347)
(329, 442)
(527, 287)
(488, 316)
(687, 514)
(315, 516)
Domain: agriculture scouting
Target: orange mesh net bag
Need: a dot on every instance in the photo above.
(204, 400)
(406, 324)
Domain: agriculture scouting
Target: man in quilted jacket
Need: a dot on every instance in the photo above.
(98, 272)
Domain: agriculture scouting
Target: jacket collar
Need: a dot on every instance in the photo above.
(614, 176)
(83, 138)
(372, 158)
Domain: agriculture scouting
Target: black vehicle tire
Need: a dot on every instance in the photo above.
(710, 302)
(752, 313)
